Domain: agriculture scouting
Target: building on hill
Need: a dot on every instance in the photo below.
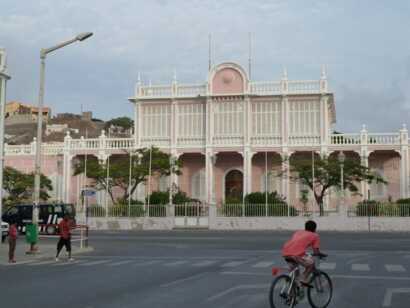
(19, 113)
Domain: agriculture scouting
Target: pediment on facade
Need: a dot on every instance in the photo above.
(227, 79)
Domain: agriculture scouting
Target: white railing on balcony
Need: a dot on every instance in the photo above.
(383, 139)
(265, 88)
(336, 139)
(304, 140)
(155, 141)
(120, 143)
(156, 91)
(228, 140)
(191, 90)
(304, 87)
(255, 88)
(18, 149)
(191, 141)
(266, 140)
(52, 148)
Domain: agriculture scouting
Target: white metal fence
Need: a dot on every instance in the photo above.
(375, 209)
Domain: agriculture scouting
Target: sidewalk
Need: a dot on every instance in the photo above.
(46, 251)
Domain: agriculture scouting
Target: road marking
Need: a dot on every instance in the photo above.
(94, 263)
(389, 295)
(178, 281)
(233, 263)
(360, 267)
(176, 263)
(236, 288)
(120, 263)
(147, 263)
(327, 266)
(19, 263)
(395, 268)
(68, 262)
(41, 263)
(204, 263)
(367, 277)
(263, 264)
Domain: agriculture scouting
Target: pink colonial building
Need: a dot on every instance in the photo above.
(232, 135)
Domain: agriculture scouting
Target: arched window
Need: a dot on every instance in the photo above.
(377, 190)
(198, 185)
(273, 183)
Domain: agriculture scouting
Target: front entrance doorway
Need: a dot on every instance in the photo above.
(234, 185)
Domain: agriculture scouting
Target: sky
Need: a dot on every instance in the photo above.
(364, 44)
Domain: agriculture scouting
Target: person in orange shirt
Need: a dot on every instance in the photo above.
(12, 241)
(64, 228)
(295, 250)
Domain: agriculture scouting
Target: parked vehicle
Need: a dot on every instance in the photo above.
(4, 230)
(49, 215)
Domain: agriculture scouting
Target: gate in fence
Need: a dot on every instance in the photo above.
(192, 215)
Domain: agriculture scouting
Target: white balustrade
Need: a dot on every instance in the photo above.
(303, 87)
(191, 90)
(155, 141)
(191, 141)
(383, 139)
(266, 140)
(341, 139)
(265, 88)
(156, 91)
(21, 149)
(120, 143)
(304, 140)
(228, 140)
(52, 148)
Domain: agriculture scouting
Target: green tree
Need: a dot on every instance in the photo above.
(327, 175)
(19, 186)
(119, 171)
(124, 122)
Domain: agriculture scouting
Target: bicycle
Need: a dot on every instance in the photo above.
(286, 292)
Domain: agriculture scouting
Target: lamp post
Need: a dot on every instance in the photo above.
(37, 171)
(341, 157)
(214, 158)
(3, 80)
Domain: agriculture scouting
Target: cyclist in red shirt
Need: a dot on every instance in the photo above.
(65, 227)
(296, 249)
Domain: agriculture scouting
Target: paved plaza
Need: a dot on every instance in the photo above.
(206, 269)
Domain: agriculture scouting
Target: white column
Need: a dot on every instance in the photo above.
(174, 124)
(247, 126)
(285, 176)
(364, 156)
(324, 123)
(404, 162)
(209, 123)
(284, 111)
(137, 124)
(247, 171)
(210, 159)
(67, 173)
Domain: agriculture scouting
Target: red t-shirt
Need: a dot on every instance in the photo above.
(13, 232)
(65, 229)
(300, 242)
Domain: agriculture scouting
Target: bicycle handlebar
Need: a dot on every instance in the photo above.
(320, 255)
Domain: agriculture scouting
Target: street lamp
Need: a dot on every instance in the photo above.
(37, 172)
(341, 157)
(3, 80)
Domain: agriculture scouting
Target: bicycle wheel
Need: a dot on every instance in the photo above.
(282, 293)
(321, 294)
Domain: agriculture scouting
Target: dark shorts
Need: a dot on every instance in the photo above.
(64, 242)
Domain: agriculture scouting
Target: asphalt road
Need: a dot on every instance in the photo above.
(188, 269)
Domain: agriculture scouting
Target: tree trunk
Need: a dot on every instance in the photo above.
(319, 201)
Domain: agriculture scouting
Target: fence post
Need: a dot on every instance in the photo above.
(266, 209)
(243, 209)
